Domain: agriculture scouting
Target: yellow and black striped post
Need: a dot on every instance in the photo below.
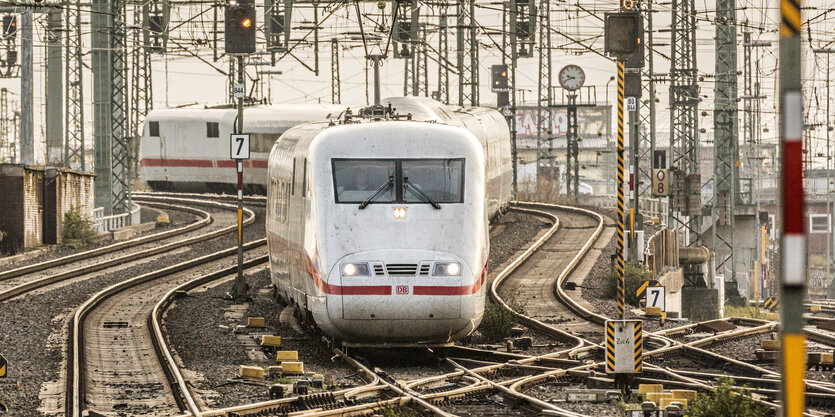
(639, 347)
(793, 239)
(621, 286)
(610, 347)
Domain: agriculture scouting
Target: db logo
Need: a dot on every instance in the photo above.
(402, 289)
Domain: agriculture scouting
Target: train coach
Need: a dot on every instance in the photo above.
(187, 149)
(378, 224)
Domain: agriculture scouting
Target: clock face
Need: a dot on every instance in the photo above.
(572, 77)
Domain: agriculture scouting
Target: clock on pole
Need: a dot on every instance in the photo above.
(572, 77)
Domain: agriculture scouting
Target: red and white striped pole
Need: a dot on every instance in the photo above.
(793, 239)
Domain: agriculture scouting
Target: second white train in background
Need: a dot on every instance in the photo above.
(378, 224)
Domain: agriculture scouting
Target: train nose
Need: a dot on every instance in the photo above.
(429, 295)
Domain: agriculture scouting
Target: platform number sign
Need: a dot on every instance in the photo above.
(655, 297)
(624, 346)
(3, 365)
(660, 182)
(239, 146)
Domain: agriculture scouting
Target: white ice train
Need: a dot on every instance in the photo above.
(378, 226)
(187, 149)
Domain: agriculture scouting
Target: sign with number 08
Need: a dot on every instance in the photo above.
(239, 146)
(660, 182)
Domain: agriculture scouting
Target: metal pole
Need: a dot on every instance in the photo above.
(635, 218)
(55, 86)
(376, 59)
(621, 286)
(793, 239)
(240, 290)
(27, 121)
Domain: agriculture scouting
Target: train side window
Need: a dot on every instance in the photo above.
(293, 179)
(153, 129)
(286, 194)
(212, 130)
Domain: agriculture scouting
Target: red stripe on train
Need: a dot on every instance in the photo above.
(199, 163)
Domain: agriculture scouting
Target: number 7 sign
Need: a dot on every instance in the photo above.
(655, 297)
(239, 146)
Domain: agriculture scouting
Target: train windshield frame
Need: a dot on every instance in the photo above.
(355, 180)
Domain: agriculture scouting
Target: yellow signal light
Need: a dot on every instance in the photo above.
(246, 23)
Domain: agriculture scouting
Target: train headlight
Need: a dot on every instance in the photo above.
(400, 213)
(356, 270)
(447, 269)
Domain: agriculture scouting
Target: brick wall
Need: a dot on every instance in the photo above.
(11, 207)
(32, 207)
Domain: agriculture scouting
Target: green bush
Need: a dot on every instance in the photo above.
(77, 227)
(726, 401)
(634, 276)
(496, 323)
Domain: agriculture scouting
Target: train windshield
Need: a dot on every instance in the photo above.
(358, 179)
(427, 181)
(442, 180)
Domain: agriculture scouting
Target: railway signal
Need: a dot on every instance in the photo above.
(499, 79)
(240, 27)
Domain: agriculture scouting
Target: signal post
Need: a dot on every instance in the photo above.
(624, 351)
(240, 42)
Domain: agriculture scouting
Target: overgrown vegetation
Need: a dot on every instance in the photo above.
(285, 381)
(77, 227)
(634, 277)
(726, 401)
(496, 323)
(745, 311)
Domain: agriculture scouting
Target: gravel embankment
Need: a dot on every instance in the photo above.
(510, 233)
(33, 336)
(176, 218)
(548, 392)
(192, 322)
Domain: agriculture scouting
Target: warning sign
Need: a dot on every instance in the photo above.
(624, 346)
(2, 366)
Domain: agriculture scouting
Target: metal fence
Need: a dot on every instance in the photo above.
(113, 222)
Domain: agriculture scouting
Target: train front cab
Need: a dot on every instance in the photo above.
(404, 261)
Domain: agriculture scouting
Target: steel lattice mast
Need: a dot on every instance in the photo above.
(684, 103)
(74, 90)
(646, 108)
(141, 87)
(119, 123)
(545, 102)
(726, 139)
(443, 54)
(467, 53)
(336, 87)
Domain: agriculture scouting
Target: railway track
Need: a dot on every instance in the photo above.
(17, 281)
(512, 374)
(109, 360)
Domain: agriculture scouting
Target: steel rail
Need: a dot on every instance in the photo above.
(75, 382)
(119, 260)
(184, 396)
(62, 276)
(40, 266)
(75, 369)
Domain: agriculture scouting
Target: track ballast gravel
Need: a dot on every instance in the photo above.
(34, 327)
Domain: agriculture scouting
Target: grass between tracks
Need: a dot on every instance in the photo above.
(745, 311)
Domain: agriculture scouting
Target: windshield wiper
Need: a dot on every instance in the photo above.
(383, 188)
(420, 193)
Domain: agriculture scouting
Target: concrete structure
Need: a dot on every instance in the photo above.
(34, 202)
(22, 207)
